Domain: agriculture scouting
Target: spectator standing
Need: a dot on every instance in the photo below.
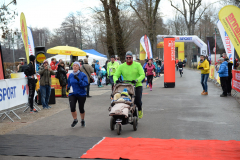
(77, 81)
(30, 72)
(88, 70)
(112, 67)
(93, 65)
(98, 73)
(223, 74)
(62, 73)
(229, 82)
(107, 79)
(53, 64)
(203, 65)
(45, 83)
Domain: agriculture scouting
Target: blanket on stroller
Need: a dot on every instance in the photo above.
(120, 109)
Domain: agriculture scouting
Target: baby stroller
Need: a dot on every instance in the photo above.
(122, 111)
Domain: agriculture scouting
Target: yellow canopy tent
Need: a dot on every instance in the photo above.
(66, 50)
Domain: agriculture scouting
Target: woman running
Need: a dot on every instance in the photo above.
(77, 81)
(149, 69)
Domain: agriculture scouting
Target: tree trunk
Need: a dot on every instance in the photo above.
(118, 30)
(108, 28)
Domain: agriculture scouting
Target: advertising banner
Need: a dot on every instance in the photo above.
(236, 80)
(169, 62)
(212, 70)
(13, 92)
(145, 42)
(1, 64)
(24, 31)
(229, 48)
(30, 42)
(230, 19)
(142, 53)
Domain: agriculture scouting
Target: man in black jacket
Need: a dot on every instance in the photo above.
(229, 81)
(29, 72)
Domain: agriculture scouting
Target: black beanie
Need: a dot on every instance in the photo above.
(32, 58)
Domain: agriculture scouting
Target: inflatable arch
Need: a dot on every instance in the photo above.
(194, 39)
(179, 45)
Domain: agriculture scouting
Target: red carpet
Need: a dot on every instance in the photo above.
(151, 149)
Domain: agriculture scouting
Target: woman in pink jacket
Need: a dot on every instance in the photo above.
(149, 69)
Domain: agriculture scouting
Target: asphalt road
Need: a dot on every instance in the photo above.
(179, 113)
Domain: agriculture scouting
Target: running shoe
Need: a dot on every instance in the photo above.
(74, 123)
(83, 123)
(34, 110)
(140, 114)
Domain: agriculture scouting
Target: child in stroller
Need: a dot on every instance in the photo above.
(123, 107)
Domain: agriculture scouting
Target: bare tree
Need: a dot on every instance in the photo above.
(6, 16)
(118, 29)
(146, 11)
(108, 27)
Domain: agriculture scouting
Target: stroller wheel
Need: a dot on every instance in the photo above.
(119, 128)
(112, 123)
(135, 123)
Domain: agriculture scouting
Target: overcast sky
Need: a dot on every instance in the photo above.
(51, 13)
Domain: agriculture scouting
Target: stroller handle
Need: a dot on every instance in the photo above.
(133, 81)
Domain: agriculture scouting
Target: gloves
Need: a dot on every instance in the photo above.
(133, 81)
(76, 77)
(68, 89)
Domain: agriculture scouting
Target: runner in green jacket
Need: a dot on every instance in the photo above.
(112, 66)
(130, 71)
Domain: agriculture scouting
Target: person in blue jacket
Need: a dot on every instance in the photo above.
(223, 74)
(77, 82)
(98, 73)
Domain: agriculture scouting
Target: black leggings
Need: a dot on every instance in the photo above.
(150, 79)
(81, 101)
(31, 85)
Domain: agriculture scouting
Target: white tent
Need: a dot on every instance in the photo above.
(66, 58)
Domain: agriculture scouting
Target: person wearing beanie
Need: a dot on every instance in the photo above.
(77, 82)
(132, 71)
(88, 70)
(45, 72)
(112, 67)
(30, 72)
(62, 76)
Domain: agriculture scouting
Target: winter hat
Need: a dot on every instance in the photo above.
(77, 63)
(97, 61)
(113, 56)
(85, 60)
(129, 53)
(32, 58)
(124, 92)
(45, 61)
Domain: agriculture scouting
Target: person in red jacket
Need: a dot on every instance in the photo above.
(53, 64)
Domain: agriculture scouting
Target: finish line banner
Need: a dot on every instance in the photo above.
(236, 80)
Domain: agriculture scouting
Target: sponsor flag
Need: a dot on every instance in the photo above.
(23, 26)
(145, 42)
(1, 64)
(30, 42)
(229, 48)
(230, 19)
(209, 52)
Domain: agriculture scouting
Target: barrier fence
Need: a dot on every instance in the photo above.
(214, 76)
